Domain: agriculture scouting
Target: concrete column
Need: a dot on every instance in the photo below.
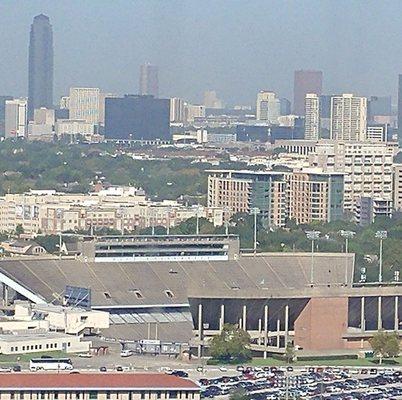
(286, 324)
(396, 315)
(222, 319)
(265, 329)
(259, 330)
(278, 329)
(362, 318)
(379, 317)
(200, 330)
(245, 317)
(5, 294)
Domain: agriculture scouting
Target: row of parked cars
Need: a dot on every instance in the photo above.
(313, 383)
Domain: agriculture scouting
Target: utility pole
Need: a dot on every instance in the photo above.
(313, 236)
(381, 235)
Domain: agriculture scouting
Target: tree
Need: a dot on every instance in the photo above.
(239, 394)
(385, 344)
(19, 230)
(290, 352)
(231, 345)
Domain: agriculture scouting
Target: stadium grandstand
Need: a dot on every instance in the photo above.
(276, 297)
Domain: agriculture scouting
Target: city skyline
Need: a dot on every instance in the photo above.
(191, 61)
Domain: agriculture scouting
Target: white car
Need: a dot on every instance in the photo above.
(126, 353)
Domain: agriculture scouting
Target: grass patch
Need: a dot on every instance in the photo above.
(360, 362)
(16, 358)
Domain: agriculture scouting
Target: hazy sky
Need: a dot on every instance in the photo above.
(234, 47)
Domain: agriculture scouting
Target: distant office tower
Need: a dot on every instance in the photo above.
(312, 117)
(64, 103)
(3, 112)
(400, 109)
(348, 117)
(268, 107)
(305, 82)
(149, 83)
(84, 104)
(211, 100)
(16, 118)
(193, 111)
(378, 132)
(285, 106)
(379, 106)
(137, 118)
(176, 110)
(40, 75)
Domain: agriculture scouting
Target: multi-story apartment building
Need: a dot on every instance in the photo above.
(367, 167)
(348, 117)
(124, 210)
(240, 191)
(304, 195)
(312, 117)
(315, 196)
(397, 187)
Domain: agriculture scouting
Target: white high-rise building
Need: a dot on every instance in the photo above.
(312, 117)
(16, 118)
(348, 117)
(368, 168)
(268, 107)
(176, 110)
(85, 104)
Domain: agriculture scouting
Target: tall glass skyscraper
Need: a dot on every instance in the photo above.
(40, 75)
(149, 83)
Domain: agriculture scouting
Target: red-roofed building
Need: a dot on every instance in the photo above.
(96, 386)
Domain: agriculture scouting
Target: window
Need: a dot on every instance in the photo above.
(93, 395)
(108, 395)
(172, 395)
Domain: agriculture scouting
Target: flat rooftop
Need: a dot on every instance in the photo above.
(61, 381)
(33, 336)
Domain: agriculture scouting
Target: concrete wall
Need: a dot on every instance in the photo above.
(322, 323)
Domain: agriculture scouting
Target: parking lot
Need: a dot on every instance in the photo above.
(308, 383)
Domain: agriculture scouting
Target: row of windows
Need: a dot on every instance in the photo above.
(37, 347)
(93, 395)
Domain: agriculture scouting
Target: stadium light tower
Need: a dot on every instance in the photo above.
(313, 236)
(381, 235)
(347, 235)
(255, 211)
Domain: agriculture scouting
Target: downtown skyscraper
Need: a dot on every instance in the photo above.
(305, 82)
(149, 83)
(40, 75)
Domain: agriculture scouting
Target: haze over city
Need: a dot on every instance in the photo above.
(235, 48)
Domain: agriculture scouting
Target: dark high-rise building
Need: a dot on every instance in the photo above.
(379, 106)
(400, 109)
(40, 75)
(305, 82)
(136, 117)
(149, 83)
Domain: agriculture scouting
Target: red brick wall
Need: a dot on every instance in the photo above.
(322, 323)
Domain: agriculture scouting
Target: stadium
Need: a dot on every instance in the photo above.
(276, 297)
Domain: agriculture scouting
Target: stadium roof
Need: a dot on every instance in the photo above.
(142, 284)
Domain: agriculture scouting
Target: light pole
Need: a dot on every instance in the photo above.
(197, 226)
(381, 235)
(347, 235)
(255, 211)
(226, 211)
(313, 236)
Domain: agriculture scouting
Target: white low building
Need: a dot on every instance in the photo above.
(39, 342)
